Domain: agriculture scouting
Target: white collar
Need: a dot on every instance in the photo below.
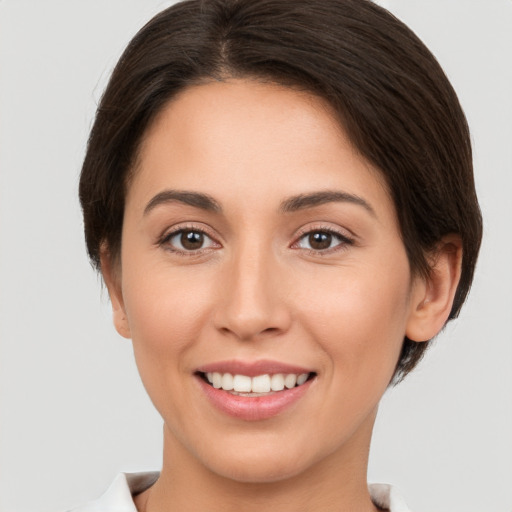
(118, 497)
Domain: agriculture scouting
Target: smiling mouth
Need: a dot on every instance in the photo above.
(259, 385)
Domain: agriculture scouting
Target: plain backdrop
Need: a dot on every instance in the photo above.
(73, 411)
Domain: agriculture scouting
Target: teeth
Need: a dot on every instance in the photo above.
(277, 382)
(259, 384)
(217, 380)
(228, 382)
(241, 383)
(290, 380)
(303, 377)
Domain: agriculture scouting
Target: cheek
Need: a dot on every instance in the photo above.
(166, 316)
(358, 317)
(165, 310)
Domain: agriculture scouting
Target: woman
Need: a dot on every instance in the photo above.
(279, 197)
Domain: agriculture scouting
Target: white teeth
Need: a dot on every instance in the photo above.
(217, 380)
(242, 383)
(303, 377)
(227, 382)
(259, 384)
(277, 382)
(290, 380)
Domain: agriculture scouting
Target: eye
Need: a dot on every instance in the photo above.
(322, 240)
(188, 240)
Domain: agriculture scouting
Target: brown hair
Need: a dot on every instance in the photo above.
(391, 95)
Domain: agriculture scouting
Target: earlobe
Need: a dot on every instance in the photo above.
(432, 297)
(113, 282)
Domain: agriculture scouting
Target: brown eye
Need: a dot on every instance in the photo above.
(188, 240)
(191, 240)
(320, 240)
(323, 240)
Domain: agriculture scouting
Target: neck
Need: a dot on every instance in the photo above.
(337, 482)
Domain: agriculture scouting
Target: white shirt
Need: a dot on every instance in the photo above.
(119, 496)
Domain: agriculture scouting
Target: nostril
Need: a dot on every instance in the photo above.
(246, 331)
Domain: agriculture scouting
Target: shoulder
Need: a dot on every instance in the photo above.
(387, 497)
(119, 496)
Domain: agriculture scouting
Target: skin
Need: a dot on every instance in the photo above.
(256, 290)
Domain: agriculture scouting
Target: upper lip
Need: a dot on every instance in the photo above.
(252, 368)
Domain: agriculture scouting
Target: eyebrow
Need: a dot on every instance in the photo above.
(195, 199)
(303, 201)
(292, 204)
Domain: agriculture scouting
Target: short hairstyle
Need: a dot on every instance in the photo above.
(390, 95)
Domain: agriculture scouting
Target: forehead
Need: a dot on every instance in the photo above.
(246, 137)
(260, 113)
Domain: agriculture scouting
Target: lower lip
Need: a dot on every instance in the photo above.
(253, 408)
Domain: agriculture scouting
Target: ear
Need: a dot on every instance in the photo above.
(112, 277)
(432, 297)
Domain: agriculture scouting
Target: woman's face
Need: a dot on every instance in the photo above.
(258, 244)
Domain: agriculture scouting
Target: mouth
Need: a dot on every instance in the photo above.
(255, 386)
(255, 390)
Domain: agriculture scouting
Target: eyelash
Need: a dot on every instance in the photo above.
(343, 240)
(164, 241)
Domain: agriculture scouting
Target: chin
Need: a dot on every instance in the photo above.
(262, 470)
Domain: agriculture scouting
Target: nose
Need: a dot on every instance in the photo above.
(253, 301)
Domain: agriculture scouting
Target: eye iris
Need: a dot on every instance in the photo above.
(192, 240)
(320, 240)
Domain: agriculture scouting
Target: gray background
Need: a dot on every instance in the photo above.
(73, 412)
